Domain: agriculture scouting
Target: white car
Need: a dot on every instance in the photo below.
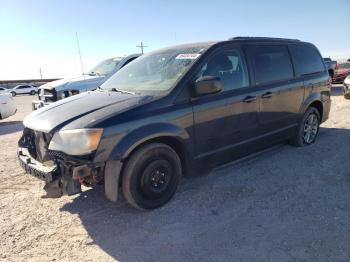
(7, 106)
(24, 89)
(3, 90)
(59, 89)
(347, 87)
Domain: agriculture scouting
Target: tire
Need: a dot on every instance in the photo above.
(13, 93)
(151, 176)
(32, 92)
(310, 124)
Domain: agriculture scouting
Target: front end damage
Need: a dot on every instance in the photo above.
(63, 174)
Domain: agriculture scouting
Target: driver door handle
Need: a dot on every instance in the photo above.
(249, 99)
(267, 95)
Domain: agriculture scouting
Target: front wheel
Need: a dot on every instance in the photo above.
(151, 176)
(13, 93)
(308, 129)
(32, 92)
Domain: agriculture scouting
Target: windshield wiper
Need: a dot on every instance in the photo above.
(122, 91)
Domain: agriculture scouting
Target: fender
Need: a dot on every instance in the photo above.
(312, 97)
(140, 135)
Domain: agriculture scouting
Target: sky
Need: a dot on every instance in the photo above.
(42, 34)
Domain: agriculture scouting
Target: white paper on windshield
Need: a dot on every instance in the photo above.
(187, 56)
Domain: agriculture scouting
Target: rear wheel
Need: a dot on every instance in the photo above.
(151, 176)
(308, 129)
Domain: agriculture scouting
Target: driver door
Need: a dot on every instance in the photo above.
(229, 119)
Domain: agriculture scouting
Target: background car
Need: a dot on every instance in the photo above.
(24, 89)
(3, 90)
(342, 72)
(347, 87)
(7, 106)
(332, 66)
(63, 88)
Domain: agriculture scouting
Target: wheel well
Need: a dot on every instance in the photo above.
(318, 105)
(174, 143)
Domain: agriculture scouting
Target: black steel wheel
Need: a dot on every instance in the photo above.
(151, 176)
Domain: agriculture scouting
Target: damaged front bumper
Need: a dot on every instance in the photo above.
(61, 178)
(64, 174)
(35, 168)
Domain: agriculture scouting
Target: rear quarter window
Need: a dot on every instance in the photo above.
(271, 63)
(307, 59)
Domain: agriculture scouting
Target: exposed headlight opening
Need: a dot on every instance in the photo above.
(76, 141)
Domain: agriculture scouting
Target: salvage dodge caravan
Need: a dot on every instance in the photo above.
(174, 110)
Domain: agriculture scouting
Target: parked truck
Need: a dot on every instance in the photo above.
(59, 89)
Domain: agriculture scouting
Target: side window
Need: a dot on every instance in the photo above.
(229, 66)
(307, 60)
(127, 62)
(271, 63)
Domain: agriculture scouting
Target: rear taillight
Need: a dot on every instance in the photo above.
(329, 82)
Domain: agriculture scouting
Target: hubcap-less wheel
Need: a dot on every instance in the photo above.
(151, 176)
(155, 179)
(310, 128)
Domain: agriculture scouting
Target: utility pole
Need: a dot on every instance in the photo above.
(141, 46)
(81, 61)
(41, 73)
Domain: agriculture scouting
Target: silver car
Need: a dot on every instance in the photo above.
(59, 89)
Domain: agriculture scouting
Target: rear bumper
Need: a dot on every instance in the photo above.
(326, 110)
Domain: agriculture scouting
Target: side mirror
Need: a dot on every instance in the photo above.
(208, 85)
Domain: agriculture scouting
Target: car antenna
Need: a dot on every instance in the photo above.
(81, 61)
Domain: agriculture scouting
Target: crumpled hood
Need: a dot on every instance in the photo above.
(70, 83)
(74, 111)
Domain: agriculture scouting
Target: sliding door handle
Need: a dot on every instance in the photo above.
(249, 99)
(267, 95)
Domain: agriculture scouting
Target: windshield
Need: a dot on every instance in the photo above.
(154, 72)
(106, 67)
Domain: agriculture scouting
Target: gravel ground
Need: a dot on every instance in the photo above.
(287, 204)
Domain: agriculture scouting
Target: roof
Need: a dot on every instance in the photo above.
(261, 39)
(208, 44)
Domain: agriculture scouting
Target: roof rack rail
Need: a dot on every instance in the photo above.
(262, 38)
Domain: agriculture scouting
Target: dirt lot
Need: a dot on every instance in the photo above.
(287, 204)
